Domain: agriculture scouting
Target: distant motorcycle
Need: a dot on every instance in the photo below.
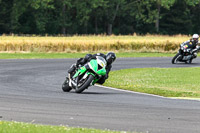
(184, 55)
(85, 76)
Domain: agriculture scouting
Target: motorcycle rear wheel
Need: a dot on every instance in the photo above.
(85, 85)
(189, 61)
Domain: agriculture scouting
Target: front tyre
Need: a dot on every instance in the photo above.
(85, 85)
(65, 86)
(176, 58)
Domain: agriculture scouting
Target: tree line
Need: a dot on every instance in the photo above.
(70, 17)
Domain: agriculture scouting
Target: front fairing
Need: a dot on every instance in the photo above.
(80, 71)
(97, 68)
(184, 49)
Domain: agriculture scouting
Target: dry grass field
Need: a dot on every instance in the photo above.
(148, 43)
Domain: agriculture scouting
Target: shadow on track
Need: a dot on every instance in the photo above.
(95, 93)
(185, 64)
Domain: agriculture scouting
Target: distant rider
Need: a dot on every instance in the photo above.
(109, 57)
(193, 44)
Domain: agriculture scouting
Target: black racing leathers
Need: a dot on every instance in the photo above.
(88, 57)
(193, 45)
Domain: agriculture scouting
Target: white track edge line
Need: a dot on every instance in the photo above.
(130, 91)
(174, 98)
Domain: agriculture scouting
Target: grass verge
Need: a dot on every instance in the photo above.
(20, 127)
(74, 55)
(168, 82)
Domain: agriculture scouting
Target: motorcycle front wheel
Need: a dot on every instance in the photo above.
(176, 58)
(85, 84)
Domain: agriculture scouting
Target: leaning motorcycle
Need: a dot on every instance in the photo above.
(184, 55)
(85, 76)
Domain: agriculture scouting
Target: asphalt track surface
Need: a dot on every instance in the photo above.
(30, 91)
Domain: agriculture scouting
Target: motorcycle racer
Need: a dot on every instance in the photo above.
(109, 57)
(193, 44)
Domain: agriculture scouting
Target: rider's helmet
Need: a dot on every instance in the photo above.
(195, 38)
(110, 57)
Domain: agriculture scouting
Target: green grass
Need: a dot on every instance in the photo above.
(169, 82)
(20, 127)
(74, 55)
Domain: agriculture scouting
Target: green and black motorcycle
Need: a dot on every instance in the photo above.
(85, 76)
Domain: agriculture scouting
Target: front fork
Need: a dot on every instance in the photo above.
(77, 79)
(70, 80)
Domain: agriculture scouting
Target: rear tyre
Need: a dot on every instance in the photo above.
(85, 85)
(65, 86)
(190, 61)
(176, 58)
